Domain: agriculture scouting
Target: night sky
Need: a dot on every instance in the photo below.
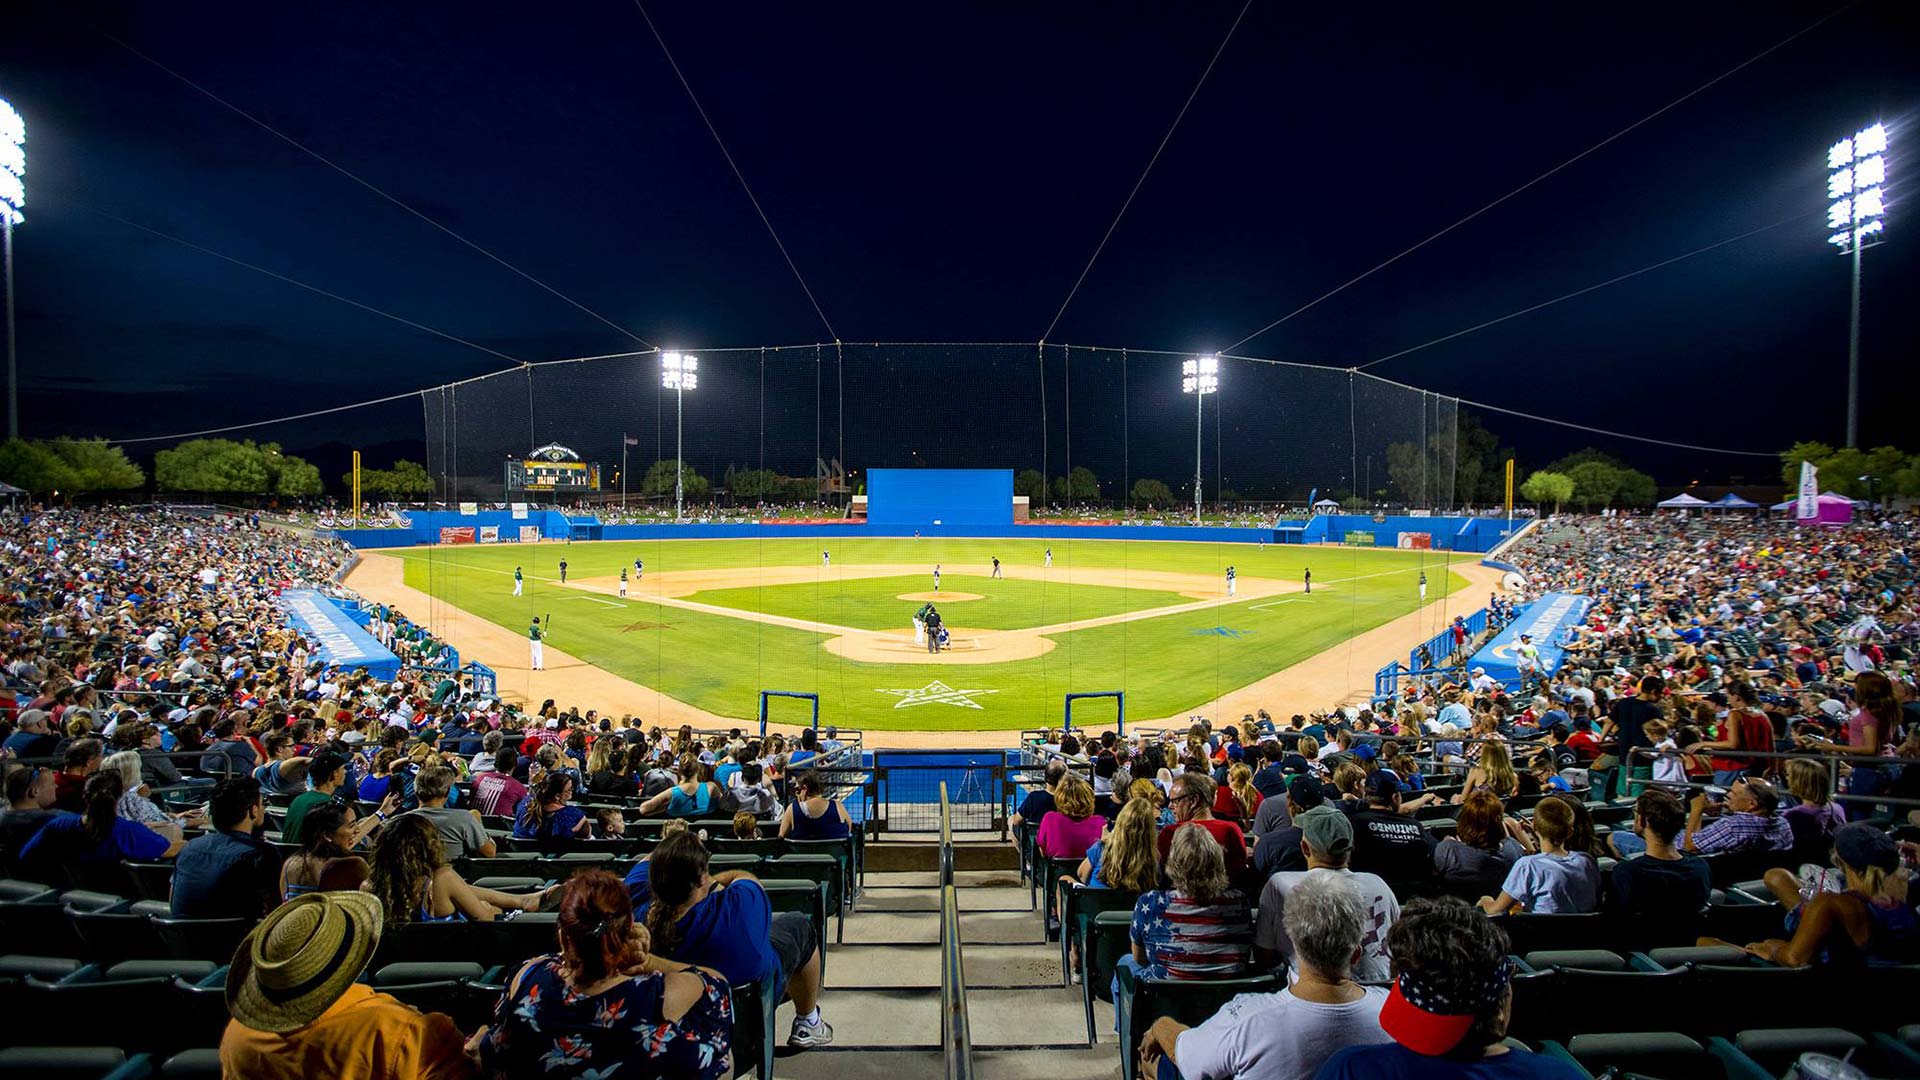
(942, 173)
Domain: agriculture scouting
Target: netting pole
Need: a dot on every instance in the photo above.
(840, 414)
(763, 417)
(1045, 484)
(1126, 461)
(1066, 359)
(1454, 501)
(816, 445)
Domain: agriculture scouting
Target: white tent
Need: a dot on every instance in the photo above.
(1684, 501)
(1326, 504)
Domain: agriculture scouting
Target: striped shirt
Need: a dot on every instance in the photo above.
(1188, 939)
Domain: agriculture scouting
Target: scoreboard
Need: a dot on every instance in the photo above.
(552, 468)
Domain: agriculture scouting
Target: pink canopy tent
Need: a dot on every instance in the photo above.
(1829, 509)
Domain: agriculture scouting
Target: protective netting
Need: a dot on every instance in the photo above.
(1095, 421)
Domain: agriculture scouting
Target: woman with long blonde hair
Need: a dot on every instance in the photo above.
(1493, 774)
(1237, 800)
(1125, 858)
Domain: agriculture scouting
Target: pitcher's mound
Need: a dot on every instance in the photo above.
(967, 646)
(941, 597)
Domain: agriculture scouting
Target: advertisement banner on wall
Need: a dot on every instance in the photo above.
(1417, 541)
(468, 509)
(489, 534)
(519, 511)
(456, 534)
(1359, 538)
(529, 534)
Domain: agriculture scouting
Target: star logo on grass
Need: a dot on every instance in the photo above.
(936, 693)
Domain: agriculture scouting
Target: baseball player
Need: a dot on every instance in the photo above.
(516, 581)
(563, 571)
(1231, 574)
(639, 569)
(623, 583)
(936, 577)
(536, 654)
(920, 623)
(1423, 586)
(826, 558)
(1049, 558)
(1306, 575)
(996, 566)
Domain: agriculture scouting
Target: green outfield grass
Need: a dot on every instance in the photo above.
(875, 604)
(1166, 664)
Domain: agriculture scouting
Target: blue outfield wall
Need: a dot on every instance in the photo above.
(1386, 534)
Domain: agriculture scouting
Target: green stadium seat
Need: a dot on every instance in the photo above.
(201, 939)
(823, 869)
(1582, 959)
(201, 1064)
(442, 987)
(807, 897)
(1078, 907)
(1776, 1049)
(71, 1063)
(1142, 1001)
(1645, 1053)
(115, 933)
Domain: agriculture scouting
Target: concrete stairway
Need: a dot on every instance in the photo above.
(883, 989)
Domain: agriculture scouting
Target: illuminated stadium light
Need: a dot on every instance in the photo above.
(13, 205)
(1856, 215)
(1199, 377)
(679, 373)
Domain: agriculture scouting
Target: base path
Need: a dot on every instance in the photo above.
(1340, 675)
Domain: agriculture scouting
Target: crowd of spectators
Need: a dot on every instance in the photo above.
(1744, 685)
(155, 705)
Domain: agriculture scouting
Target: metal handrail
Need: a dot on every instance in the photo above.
(956, 1035)
(1832, 761)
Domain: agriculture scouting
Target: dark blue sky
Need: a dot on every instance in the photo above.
(941, 173)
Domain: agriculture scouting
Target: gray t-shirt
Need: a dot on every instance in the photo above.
(1270, 932)
(1555, 884)
(460, 833)
(1277, 1036)
(1273, 814)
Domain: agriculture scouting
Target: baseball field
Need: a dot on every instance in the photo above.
(707, 624)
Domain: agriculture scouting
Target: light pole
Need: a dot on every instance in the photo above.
(1856, 181)
(679, 374)
(1199, 377)
(13, 200)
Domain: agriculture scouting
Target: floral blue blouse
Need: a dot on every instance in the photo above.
(544, 1028)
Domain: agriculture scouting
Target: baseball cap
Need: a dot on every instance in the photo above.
(1832, 707)
(1235, 752)
(1383, 785)
(1365, 752)
(1326, 830)
(1863, 847)
(1294, 763)
(1305, 793)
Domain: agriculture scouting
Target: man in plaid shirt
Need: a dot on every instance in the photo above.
(1751, 822)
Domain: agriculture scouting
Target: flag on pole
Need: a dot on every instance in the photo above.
(1809, 502)
(630, 440)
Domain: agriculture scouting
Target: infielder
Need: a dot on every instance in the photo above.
(536, 658)
(936, 577)
(1423, 586)
(563, 571)
(826, 558)
(996, 566)
(623, 583)
(639, 569)
(1230, 577)
(1306, 575)
(516, 581)
(1049, 558)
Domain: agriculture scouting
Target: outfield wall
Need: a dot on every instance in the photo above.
(1448, 532)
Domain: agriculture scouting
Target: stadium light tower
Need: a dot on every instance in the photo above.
(679, 373)
(13, 200)
(1199, 377)
(1856, 182)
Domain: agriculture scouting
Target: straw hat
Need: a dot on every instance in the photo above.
(301, 958)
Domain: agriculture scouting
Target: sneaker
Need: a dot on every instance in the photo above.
(806, 1036)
